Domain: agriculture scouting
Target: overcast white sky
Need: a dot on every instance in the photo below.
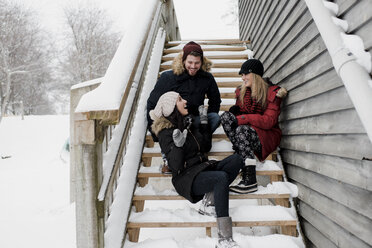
(199, 19)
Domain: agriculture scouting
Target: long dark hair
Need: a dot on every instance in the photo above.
(176, 119)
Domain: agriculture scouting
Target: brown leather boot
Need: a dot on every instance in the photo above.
(165, 169)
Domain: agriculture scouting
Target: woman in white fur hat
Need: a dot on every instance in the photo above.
(193, 175)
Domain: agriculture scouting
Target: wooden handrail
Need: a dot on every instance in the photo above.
(112, 116)
(93, 127)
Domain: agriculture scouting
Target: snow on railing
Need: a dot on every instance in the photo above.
(352, 65)
(116, 147)
(102, 121)
(107, 101)
(116, 223)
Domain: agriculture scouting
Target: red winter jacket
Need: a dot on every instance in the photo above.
(266, 123)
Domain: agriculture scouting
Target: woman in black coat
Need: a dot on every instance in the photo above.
(193, 175)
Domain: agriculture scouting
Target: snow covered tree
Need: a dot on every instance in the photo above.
(91, 43)
(231, 15)
(23, 61)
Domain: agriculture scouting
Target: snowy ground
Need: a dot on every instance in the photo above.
(34, 184)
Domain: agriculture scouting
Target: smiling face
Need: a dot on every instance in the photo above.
(192, 64)
(247, 79)
(181, 106)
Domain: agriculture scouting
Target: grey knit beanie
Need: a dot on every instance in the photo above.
(165, 105)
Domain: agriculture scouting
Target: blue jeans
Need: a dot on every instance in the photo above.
(214, 121)
(218, 181)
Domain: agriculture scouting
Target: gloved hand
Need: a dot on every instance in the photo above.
(203, 113)
(234, 109)
(234, 123)
(179, 137)
(187, 121)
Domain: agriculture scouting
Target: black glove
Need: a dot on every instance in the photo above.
(187, 121)
(203, 113)
(235, 110)
(234, 123)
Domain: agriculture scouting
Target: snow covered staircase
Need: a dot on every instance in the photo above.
(271, 206)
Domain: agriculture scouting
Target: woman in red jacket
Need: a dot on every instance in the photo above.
(252, 123)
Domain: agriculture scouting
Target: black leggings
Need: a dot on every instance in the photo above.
(244, 138)
(218, 181)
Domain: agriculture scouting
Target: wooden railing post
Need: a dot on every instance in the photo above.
(88, 156)
(75, 96)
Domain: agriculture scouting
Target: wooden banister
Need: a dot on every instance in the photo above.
(93, 129)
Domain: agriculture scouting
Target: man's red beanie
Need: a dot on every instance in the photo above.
(191, 47)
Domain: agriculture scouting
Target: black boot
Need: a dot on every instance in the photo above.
(248, 184)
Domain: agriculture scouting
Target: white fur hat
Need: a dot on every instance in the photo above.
(165, 105)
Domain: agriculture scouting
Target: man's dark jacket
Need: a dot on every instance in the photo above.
(192, 89)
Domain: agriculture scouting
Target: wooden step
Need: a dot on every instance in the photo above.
(215, 56)
(191, 218)
(228, 82)
(271, 173)
(168, 65)
(221, 74)
(251, 241)
(287, 227)
(143, 177)
(209, 42)
(276, 191)
(178, 49)
(279, 199)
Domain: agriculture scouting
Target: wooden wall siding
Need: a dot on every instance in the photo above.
(343, 216)
(325, 233)
(358, 14)
(314, 235)
(345, 170)
(323, 139)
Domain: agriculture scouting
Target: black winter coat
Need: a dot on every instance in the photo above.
(192, 89)
(188, 161)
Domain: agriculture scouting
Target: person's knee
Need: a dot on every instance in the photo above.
(222, 179)
(237, 159)
(241, 129)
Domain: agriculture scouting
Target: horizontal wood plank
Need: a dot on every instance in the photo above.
(232, 48)
(339, 122)
(357, 16)
(353, 146)
(291, 62)
(221, 56)
(350, 196)
(318, 105)
(210, 42)
(292, 30)
(350, 171)
(158, 154)
(232, 197)
(322, 225)
(307, 72)
(314, 87)
(210, 224)
(346, 218)
(258, 173)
